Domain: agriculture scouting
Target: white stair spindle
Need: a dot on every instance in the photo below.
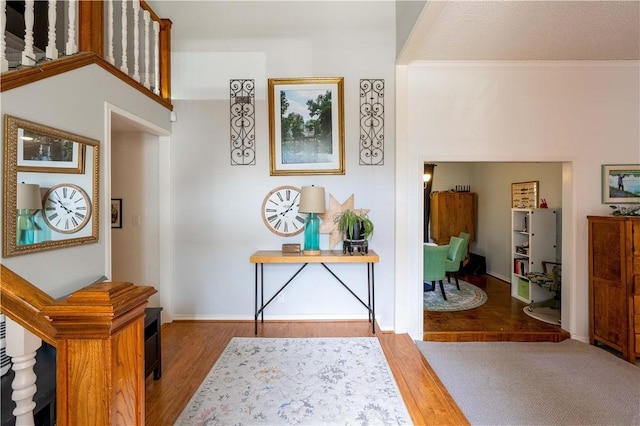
(156, 57)
(21, 347)
(4, 64)
(136, 40)
(72, 46)
(146, 16)
(51, 50)
(123, 66)
(110, 58)
(28, 55)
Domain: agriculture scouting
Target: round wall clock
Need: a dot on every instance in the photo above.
(280, 211)
(66, 208)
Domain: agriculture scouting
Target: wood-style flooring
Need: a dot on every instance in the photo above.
(190, 348)
(500, 319)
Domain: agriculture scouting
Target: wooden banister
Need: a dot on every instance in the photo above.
(23, 302)
(98, 332)
(91, 50)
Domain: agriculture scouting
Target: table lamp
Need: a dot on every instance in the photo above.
(28, 201)
(312, 203)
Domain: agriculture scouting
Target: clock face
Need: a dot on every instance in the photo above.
(280, 211)
(66, 208)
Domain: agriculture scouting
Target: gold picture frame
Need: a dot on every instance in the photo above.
(84, 174)
(525, 195)
(306, 126)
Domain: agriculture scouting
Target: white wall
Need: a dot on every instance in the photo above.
(583, 114)
(135, 179)
(216, 206)
(76, 102)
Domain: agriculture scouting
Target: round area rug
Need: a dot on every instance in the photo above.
(468, 297)
(545, 314)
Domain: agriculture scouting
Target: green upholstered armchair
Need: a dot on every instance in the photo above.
(434, 258)
(457, 251)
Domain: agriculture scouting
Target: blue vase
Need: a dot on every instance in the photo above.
(24, 227)
(312, 233)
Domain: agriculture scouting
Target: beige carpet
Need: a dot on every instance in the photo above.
(516, 383)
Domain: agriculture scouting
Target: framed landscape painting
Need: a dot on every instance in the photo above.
(620, 183)
(306, 126)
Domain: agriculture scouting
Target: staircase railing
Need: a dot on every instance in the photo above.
(98, 332)
(136, 40)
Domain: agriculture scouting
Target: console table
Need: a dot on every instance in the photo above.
(259, 258)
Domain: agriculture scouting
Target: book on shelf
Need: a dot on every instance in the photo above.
(520, 266)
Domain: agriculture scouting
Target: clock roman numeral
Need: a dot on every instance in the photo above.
(270, 210)
(288, 194)
(53, 216)
(280, 196)
(272, 218)
(79, 216)
(64, 192)
(278, 223)
(300, 219)
(286, 227)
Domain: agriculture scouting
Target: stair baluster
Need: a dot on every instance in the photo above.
(52, 51)
(21, 347)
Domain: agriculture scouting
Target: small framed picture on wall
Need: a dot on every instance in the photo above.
(620, 183)
(524, 195)
(116, 212)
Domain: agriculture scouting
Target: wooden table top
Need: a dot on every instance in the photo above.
(325, 256)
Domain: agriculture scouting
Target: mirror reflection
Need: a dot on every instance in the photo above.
(50, 188)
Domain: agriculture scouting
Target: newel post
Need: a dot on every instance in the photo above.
(100, 354)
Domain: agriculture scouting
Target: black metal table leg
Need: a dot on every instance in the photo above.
(373, 300)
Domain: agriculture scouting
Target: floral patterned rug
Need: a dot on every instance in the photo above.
(302, 381)
(468, 297)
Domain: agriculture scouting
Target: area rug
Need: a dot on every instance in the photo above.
(543, 383)
(301, 381)
(544, 314)
(468, 297)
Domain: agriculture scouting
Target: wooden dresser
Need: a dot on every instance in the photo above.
(452, 213)
(614, 283)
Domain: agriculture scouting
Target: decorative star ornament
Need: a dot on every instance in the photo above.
(329, 224)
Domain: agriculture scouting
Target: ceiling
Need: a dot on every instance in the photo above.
(525, 30)
(445, 30)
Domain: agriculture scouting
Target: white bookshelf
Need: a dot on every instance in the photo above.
(533, 239)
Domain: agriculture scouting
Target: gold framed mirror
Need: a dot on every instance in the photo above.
(50, 188)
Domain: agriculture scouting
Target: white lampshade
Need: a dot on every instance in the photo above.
(312, 199)
(29, 197)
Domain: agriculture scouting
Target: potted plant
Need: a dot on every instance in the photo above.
(354, 226)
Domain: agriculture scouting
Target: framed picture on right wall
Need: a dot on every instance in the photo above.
(620, 183)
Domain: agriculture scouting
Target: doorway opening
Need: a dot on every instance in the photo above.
(491, 181)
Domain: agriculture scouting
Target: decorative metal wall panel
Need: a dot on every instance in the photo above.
(372, 122)
(243, 129)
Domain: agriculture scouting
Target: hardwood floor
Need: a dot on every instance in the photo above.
(190, 348)
(500, 319)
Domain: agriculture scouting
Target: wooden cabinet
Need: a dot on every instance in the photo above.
(614, 283)
(533, 240)
(452, 213)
